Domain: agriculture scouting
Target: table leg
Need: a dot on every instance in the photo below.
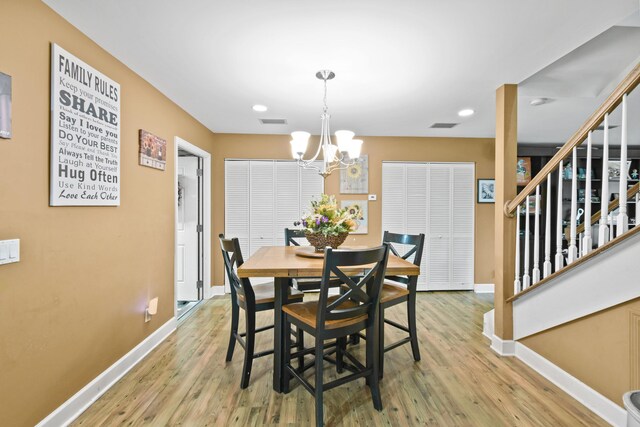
(281, 285)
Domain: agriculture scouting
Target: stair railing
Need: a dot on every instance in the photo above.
(611, 222)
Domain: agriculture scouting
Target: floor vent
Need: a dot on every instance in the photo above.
(273, 121)
(443, 125)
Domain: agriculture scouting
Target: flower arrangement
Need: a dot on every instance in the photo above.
(325, 218)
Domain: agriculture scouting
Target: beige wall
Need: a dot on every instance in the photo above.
(601, 350)
(479, 151)
(74, 303)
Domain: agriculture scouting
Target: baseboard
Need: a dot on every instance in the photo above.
(215, 291)
(503, 347)
(483, 288)
(594, 401)
(79, 402)
(488, 324)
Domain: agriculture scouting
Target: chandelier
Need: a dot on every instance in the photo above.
(335, 156)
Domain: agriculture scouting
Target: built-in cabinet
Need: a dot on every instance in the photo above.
(437, 199)
(263, 197)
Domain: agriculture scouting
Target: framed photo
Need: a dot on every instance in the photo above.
(486, 191)
(5, 106)
(153, 150)
(355, 178)
(615, 169)
(523, 170)
(362, 220)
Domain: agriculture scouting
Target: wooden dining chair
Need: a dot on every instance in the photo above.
(291, 236)
(251, 299)
(336, 317)
(399, 289)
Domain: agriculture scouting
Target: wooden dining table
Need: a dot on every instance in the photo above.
(282, 263)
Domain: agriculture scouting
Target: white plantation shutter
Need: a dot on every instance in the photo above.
(417, 206)
(262, 193)
(439, 239)
(287, 198)
(311, 187)
(394, 200)
(236, 195)
(463, 202)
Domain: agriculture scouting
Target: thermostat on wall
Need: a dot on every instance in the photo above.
(373, 197)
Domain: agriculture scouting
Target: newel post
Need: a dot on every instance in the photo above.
(505, 227)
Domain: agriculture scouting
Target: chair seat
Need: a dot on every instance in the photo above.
(265, 293)
(307, 313)
(392, 291)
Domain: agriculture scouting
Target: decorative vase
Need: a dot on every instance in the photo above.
(320, 241)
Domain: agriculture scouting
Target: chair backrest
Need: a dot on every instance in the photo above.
(416, 246)
(290, 236)
(232, 256)
(363, 289)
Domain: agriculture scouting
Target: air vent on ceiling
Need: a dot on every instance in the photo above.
(601, 127)
(443, 125)
(273, 121)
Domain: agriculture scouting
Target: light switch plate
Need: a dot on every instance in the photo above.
(9, 251)
(373, 197)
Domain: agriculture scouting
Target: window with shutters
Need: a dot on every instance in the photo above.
(263, 197)
(436, 199)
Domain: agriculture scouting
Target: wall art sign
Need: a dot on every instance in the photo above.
(486, 191)
(85, 134)
(361, 209)
(355, 178)
(5, 106)
(153, 150)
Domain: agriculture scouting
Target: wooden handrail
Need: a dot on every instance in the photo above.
(612, 205)
(627, 85)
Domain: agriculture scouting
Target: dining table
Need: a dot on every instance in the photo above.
(284, 263)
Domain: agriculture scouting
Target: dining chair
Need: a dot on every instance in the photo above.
(336, 317)
(250, 298)
(399, 289)
(291, 236)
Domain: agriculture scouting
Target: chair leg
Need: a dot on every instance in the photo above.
(286, 376)
(372, 355)
(413, 331)
(234, 329)
(250, 317)
(380, 348)
(319, 381)
(300, 339)
(341, 345)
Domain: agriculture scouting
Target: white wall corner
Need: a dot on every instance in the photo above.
(503, 347)
(488, 324)
(79, 402)
(483, 288)
(214, 291)
(591, 399)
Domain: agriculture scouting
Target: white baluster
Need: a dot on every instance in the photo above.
(516, 282)
(579, 239)
(526, 279)
(587, 242)
(637, 208)
(546, 266)
(573, 249)
(623, 219)
(603, 229)
(559, 258)
(536, 240)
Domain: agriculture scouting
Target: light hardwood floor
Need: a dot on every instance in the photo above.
(459, 382)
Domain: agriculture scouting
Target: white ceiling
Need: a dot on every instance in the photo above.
(400, 65)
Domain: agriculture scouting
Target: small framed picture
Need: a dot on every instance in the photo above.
(523, 170)
(486, 191)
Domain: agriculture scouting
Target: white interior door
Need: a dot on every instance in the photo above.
(187, 232)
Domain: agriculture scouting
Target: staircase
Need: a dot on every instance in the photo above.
(575, 261)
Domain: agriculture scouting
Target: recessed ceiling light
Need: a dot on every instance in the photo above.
(466, 112)
(539, 101)
(259, 108)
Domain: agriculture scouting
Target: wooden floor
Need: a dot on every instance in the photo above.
(459, 382)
